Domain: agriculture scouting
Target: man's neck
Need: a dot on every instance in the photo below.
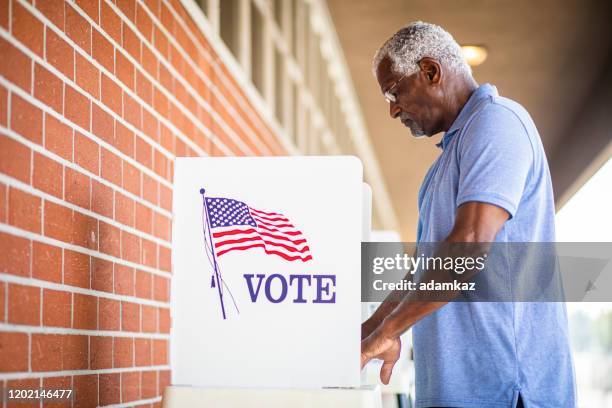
(458, 94)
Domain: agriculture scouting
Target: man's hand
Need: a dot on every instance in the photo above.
(378, 346)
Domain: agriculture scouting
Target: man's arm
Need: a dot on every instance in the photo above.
(475, 222)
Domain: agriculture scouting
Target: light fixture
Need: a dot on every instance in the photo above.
(474, 54)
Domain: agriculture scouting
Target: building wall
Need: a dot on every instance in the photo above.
(96, 100)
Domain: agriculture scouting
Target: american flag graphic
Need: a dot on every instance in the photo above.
(237, 227)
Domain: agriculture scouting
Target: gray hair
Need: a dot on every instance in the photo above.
(416, 41)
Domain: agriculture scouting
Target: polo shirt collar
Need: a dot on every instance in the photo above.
(483, 91)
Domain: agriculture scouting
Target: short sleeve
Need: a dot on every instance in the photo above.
(495, 158)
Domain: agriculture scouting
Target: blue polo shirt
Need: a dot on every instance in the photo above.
(487, 354)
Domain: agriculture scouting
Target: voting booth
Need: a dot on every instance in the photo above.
(265, 297)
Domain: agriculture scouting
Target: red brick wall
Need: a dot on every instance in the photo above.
(96, 100)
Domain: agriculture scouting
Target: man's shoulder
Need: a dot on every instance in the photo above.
(507, 112)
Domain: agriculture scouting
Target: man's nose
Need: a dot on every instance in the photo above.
(394, 110)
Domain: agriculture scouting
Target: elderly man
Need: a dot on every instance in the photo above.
(490, 183)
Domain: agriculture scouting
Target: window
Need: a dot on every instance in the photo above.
(279, 77)
(229, 23)
(257, 52)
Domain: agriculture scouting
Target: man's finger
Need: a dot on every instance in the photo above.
(364, 360)
(386, 370)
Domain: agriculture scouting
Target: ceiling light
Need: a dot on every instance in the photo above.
(474, 54)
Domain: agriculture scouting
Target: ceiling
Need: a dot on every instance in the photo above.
(547, 55)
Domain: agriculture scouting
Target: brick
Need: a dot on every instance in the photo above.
(161, 288)
(149, 62)
(3, 106)
(160, 164)
(48, 175)
(58, 221)
(131, 178)
(160, 102)
(77, 108)
(128, 8)
(149, 319)
(3, 203)
(2, 301)
(124, 139)
(58, 383)
(100, 352)
(149, 253)
(23, 304)
(110, 240)
(142, 351)
(144, 284)
(130, 316)
(148, 384)
(124, 209)
(124, 69)
(78, 29)
(102, 124)
(143, 23)
(26, 119)
(57, 308)
(150, 125)
(13, 352)
(161, 226)
(59, 54)
(91, 7)
(58, 137)
(130, 386)
(163, 377)
(76, 269)
(77, 188)
(46, 352)
(84, 231)
(15, 255)
(160, 352)
(164, 259)
(143, 152)
(86, 153)
(4, 14)
(27, 29)
(25, 384)
(87, 76)
(103, 51)
(165, 197)
(123, 352)
(144, 218)
(132, 111)
(15, 66)
(108, 314)
(130, 247)
(150, 188)
(124, 280)
(48, 88)
(111, 168)
(85, 314)
(164, 320)
(85, 390)
(101, 275)
(53, 10)
(144, 89)
(111, 94)
(109, 385)
(24, 210)
(101, 199)
(110, 22)
(74, 352)
(15, 159)
(46, 262)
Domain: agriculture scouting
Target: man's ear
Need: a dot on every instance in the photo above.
(431, 69)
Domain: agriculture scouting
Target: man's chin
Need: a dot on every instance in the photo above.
(418, 133)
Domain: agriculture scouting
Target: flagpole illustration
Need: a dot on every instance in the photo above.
(212, 250)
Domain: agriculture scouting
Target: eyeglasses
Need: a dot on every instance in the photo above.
(389, 96)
